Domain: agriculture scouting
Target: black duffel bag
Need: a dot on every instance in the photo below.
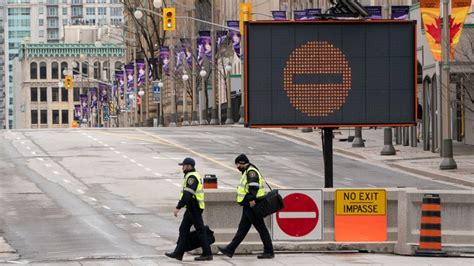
(194, 242)
(268, 204)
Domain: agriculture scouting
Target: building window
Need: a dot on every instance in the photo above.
(85, 69)
(43, 95)
(40, 22)
(53, 35)
(90, 11)
(90, 1)
(116, 11)
(41, 10)
(53, 23)
(64, 95)
(52, 11)
(43, 71)
(65, 22)
(102, 11)
(76, 94)
(114, 1)
(44, 116)
(41, 33)
(34, 94)
(63, 67)
(64, 117)
(33, 70)
(54, 70)
(55, 94)
(65, 11)
(34, 117)
(75, 70)
(102, 1)
(76, 11)
(56, 117)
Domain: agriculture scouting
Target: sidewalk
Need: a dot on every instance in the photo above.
(6, 251)
(411, 159)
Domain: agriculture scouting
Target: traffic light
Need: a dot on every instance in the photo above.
(68, 82)
(245, 15)
(169, 18)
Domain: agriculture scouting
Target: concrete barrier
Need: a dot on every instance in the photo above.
(223, 214)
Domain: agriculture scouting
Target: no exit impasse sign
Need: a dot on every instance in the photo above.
(360, 215)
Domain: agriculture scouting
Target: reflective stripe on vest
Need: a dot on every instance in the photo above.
(243, 187)
(199, 193)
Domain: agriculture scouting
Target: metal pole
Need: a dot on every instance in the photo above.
(203, 108)
(213, 69)
(173, 84)
(135, 89)
(447, 145)
(194, 115)
(358, 141)
(242, 102)
(230, 118)
(328, 154)
(388, 148)
(426, 118)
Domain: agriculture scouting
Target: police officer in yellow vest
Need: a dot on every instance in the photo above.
(250, 189)
(191, 197)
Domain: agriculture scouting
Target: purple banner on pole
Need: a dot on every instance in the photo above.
(103, 92)
(140, 72)
(220, 36)
(165, 59)
(400, 12)
(151, 65)
(77, 112)
(84, 110)
(119, 78)
(375, 12)
(313, 13)
(93, 92)
(299, 15)
(279, 15)
(186, 49)
(204, 46)
(129, 71)
(234, 35)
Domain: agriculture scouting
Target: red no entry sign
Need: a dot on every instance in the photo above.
(301, 217)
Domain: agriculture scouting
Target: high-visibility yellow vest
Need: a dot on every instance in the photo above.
(199, 193)
(243, 187)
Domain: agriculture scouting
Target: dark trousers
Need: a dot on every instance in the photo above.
(248, 219)
(192, 216)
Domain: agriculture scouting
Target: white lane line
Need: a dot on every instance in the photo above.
(93, 199)
(47, 165)
(295, 215)
(251, 148)
(106, 207)
(112, 148)
(139, 165)
(83, 133)
(34, 153)
(176, 184)
(348, 178)
(95, 139)
(66, 181)
(133, 161)
(158, 174)
(28, 148)
(125, 156)
(100, 142)
(56, 172)
(225, 187)
(137, 225)
(169, 180)
(147, 169)
(40, 159)
(123, 142)
(155, 235)
(117, 152)
(80, 191)
(370, 185)
(22, 142)
(266, 152)
(106, 145)
(18, 138)
(90, 137)
(235, 142)
(123, 216)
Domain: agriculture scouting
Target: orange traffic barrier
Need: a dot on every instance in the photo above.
(430, 229)
(210, 181)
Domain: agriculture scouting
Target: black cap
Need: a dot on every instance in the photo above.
(242, 158)
(188, 161)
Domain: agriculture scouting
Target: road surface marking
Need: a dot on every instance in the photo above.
(117, 152)
(125, 156)
(83, 133)
(348, 178)
(123, 142)
(22, 142)
(139, 165)
(66, 181)
(28, 148)
(47, 165)
(158, 174)
(147, 169)
(266, 152)
(95, 139)
(123, 216)
(235, 142)
(370, 185)
(34, 153)
(176, 184)
(106, 145)
(40, 159)
(155, 235)
(89, 136)
(100, 142)
(106, 207)
(296, 215)
(133, 161)
(56, 172)
(137, 225)
(169, 180)
(250, 148)
(112, 148)
(201, 155)
(225, 187)
(93, 199)
(18, 138)
(80, 191)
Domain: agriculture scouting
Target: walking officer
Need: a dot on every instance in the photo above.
(250, 189)
(191, 197)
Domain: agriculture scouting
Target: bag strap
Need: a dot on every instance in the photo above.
(267, 184)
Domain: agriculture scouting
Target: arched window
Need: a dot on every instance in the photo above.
(63, 67)
(118, 65)
(43, 70)
(75, 68)
(85, 69)
(106, 70)
(97, 70)
(54, 70)
(33, 70)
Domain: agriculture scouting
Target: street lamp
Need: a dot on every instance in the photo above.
(157, 3)
(160, 111)
(203, 119)
(229, 119)
(185, 78)
(138, 14)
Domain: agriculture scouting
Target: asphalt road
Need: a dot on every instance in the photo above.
(109, 193)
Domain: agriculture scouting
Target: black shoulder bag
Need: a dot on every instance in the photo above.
(268, 204)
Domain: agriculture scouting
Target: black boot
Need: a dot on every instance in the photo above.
(202, 257)
(174, 255)
(266, 256)
(226, 252)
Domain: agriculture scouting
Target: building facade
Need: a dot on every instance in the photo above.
(42, 101)
(43, 21)
(3, 94)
